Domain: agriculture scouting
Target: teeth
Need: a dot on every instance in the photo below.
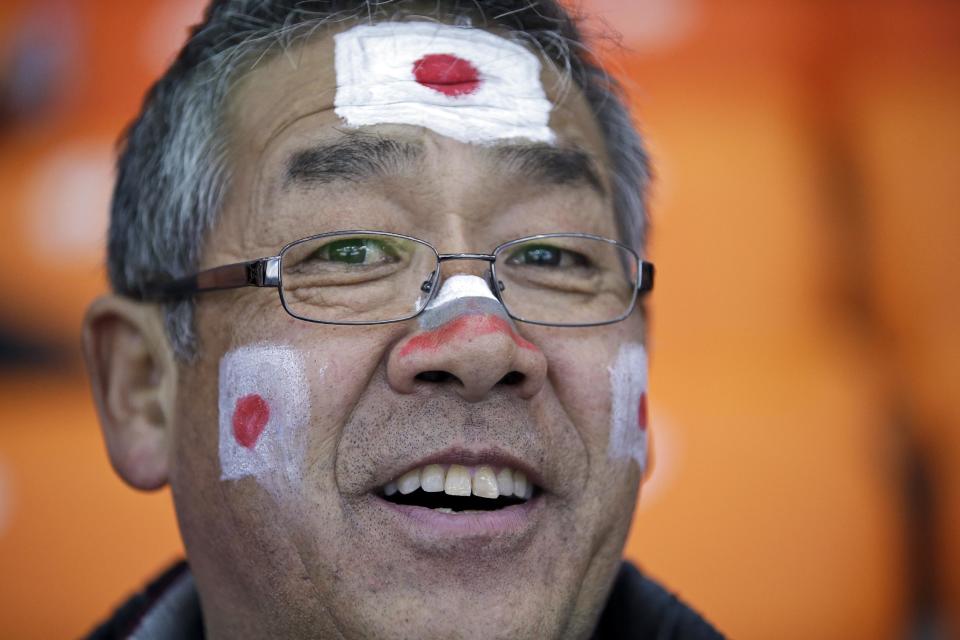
(519, 484)
(458, 481)
(432, 478)
(409, 482)
(505, 482)
(485, 483)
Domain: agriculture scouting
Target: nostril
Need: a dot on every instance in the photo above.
(435, 376)
(512, 379)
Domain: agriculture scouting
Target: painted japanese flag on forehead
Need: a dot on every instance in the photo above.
(462, 82)
(264, 410)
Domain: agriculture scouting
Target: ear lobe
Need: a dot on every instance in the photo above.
(133, 380)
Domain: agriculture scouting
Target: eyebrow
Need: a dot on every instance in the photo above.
(547, 164)
(353, 159)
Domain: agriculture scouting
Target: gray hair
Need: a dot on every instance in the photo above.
(172, 173)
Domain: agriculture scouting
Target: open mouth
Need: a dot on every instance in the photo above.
(457, 488)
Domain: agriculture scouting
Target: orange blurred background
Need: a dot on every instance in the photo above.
(806, 351)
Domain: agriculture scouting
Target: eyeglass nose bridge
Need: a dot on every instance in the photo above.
(495, 286)
(487, 257)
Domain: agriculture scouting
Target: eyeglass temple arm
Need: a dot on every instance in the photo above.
(647, 272)
(262, 272)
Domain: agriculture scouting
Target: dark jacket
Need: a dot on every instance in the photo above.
(638, 608)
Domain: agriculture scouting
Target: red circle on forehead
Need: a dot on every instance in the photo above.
(250, 416)
(447, 74)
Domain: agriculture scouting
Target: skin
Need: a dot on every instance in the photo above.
(316, 558)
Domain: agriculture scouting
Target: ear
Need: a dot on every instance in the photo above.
(133, 378)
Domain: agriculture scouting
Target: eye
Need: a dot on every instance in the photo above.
(544, 255)
(361, 251)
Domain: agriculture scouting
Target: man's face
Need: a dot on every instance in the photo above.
(309, 544)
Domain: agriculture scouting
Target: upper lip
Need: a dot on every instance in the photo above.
(468, 457)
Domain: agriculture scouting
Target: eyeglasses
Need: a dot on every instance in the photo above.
(377, 277)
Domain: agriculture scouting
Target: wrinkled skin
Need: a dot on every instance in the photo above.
(319, 557)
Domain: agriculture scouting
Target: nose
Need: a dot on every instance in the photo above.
(467, 341)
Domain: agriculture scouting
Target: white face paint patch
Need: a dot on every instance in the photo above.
(628, 413)
(464, 83)
(461, 286)
(264, 411)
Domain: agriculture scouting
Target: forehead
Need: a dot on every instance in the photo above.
(304, 79)
(293, 100)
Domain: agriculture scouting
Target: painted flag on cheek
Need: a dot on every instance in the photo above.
(464, 83)
(264, 409)
(628, 410)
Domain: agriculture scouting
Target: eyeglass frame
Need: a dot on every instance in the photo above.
(266, 272)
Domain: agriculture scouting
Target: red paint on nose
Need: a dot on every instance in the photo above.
(448, 74)
(465, 327)
(250, 416)
(642, 413)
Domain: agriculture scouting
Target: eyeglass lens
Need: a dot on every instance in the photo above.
(366, 277)
(566, 280)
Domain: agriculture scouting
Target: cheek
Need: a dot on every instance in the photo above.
(603, 387)
(279, 401)
(280, 405)
(578, 371)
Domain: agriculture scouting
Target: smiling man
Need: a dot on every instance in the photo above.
(377, 269)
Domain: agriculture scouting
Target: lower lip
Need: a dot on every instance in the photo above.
(432, 524)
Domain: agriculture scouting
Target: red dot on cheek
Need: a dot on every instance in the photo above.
(642, 413)
(250, 416)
